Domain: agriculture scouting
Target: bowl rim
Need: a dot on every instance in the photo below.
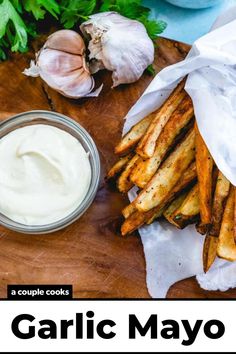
(28, 117)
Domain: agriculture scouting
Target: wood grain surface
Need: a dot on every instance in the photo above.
(89, 254)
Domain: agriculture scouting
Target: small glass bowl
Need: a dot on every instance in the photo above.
(64, 123)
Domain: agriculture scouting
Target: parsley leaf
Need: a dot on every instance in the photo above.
(12, 27)
(153, 27)
(40, 7)
(73, 11)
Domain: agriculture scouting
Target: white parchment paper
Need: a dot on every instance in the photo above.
(171, 254)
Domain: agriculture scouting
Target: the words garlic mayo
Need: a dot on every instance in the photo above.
(45, 174)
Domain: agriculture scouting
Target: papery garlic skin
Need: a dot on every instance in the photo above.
(61, 64)
(118, 44)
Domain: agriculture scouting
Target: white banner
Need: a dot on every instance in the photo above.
(117, 326)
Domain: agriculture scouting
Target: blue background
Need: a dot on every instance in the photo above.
(186, 25)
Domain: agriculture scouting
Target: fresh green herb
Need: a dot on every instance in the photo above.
(19, 18)
(150, 70)
(74, 11)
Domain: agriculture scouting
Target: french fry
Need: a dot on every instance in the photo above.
(211, 240)
(204, 164)
(155, 215)
(133, 222)
(178, 122)
(146, 146)
(209, 251)
(169, 211)
(188, 178)
(219, 200)
(137, 219)
(226, 246)
(168, 175)
(188, 210)
(129, 140)
(128, 210)
(118, 167)
(124, 184)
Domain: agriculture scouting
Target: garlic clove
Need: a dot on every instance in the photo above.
(119, 44)
(66, 41)
(53, 61)
(77, 83)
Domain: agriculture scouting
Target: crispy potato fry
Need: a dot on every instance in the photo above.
(188, 211)
(155, 215)
(137, 219)
(219, 200)
(226, 246)
(168, 175)
(221, 187)
(204, 164)
(146, 146)
(124, 184)
(128, 210)
(118, 167)
(133, 222)
(209, 251)
(169, 211)
(188, 178)
(178, 122)
(129, 140)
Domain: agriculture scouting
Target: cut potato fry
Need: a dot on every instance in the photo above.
(124, 184)
(147, 145)
(137, 219)
(226, 246)
(188, 178)
(169, 211)
(188, 211)
(209, 252)
(178, 122)
(128, 210)
(219, 200)
(168, 175)
(221, 188)
(155, 215)
(129, 140)
(204, 164)
(118, 167)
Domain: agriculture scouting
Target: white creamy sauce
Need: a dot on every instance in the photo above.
(45, 174)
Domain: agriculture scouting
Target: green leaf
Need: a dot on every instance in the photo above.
(132, 9)
(74, 11)
(153, 27)
(150, 70)
(12, 24)
(17, 5)
(40, 7)
(106, 6)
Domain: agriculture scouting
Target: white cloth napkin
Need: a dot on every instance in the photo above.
(171, 254)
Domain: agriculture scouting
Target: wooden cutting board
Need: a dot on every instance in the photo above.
(90, 254)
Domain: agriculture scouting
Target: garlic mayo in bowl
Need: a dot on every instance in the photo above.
(49, 172)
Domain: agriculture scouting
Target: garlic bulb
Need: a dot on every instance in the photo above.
(118, 44)
(61, 64)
